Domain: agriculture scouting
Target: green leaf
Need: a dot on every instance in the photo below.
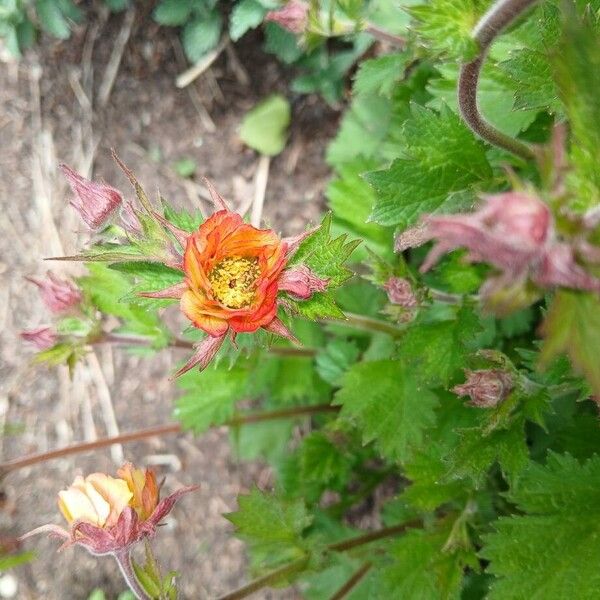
(572, 326)
(335, 359)
(282, 43)
(52, 19)
(246, 15)
(322, 461)
(272, 527)
(422, 568)
(172, 12)
(183, 219)
(351, 199)
(379, 75)
(210, 396)
(550, 552)
(437, 350)
(389, 405)
(9, 561)
(201, 35)
(446, 25)
(443, 161)
(264, 128)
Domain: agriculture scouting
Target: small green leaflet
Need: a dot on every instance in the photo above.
(246, 14)
(389, 405)
(201, 35)
(572, 326)
(379, 75)
(272, 527)
(264, 128)
(550, 552)
(173, 12)
(446, 26)
(443, 161)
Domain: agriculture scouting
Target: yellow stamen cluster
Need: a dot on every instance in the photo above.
(233, 281)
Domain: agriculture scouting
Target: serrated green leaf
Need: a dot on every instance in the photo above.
(282, 43)
(437, 350)
(380, 75)
(210, 396)
(264, 128)
(572, 326)
(443, 161)
(271, 527)
(550, 552)
(322, 461)
(389, 405)
(201, 35)
(446, 25)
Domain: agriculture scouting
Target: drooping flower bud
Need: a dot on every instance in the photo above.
(42, 337)
(293, 16)
(95, 202)
(400, 292)
(301, 282)
(57, 294)
(106, 515)
(486, 388)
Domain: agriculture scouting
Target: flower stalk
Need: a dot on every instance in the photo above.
(169, 428)
(123, 559)
(494, 21)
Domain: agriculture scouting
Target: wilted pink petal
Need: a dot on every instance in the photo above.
(301, 282)
(165, 506)
(278, 328)
(42, 337)
(412, 238)
(205, 352)
(486, 388)
(95, 202)
(558, 268)
(174, 291)
(293, 16)
(400, 292)
(57, 294)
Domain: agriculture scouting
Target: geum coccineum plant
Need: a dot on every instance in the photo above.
(454, 411)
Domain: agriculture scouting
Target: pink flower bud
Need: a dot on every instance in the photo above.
(95, 202)
(293, 16)
(486, 388)
(400, 292)
(57, 294)
(558, 268)
(301, 282)
(42, 337)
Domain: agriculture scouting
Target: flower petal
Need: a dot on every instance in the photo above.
(193, 310)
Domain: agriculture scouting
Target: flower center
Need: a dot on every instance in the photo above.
(233, 281)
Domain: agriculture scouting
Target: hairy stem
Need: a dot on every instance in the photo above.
(367, 324)
(496, 19)
(179, 343)
(373, 536)
(32, 459)
(124, 561)
(265, 580)
(352, 582)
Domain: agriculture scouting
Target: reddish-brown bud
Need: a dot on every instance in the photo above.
(42, 337)
(57, 294)
(400, 292)
(95, 202)
(486, 388)
(293, 16)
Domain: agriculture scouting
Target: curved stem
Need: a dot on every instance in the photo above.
(496, 19)
(352, 582)
(366, 324)
(123, 559)
(32, 459)
(265, 580)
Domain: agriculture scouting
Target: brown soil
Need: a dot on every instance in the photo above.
(45, 119)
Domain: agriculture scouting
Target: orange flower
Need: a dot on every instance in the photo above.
(233, 274)
(106, 514)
